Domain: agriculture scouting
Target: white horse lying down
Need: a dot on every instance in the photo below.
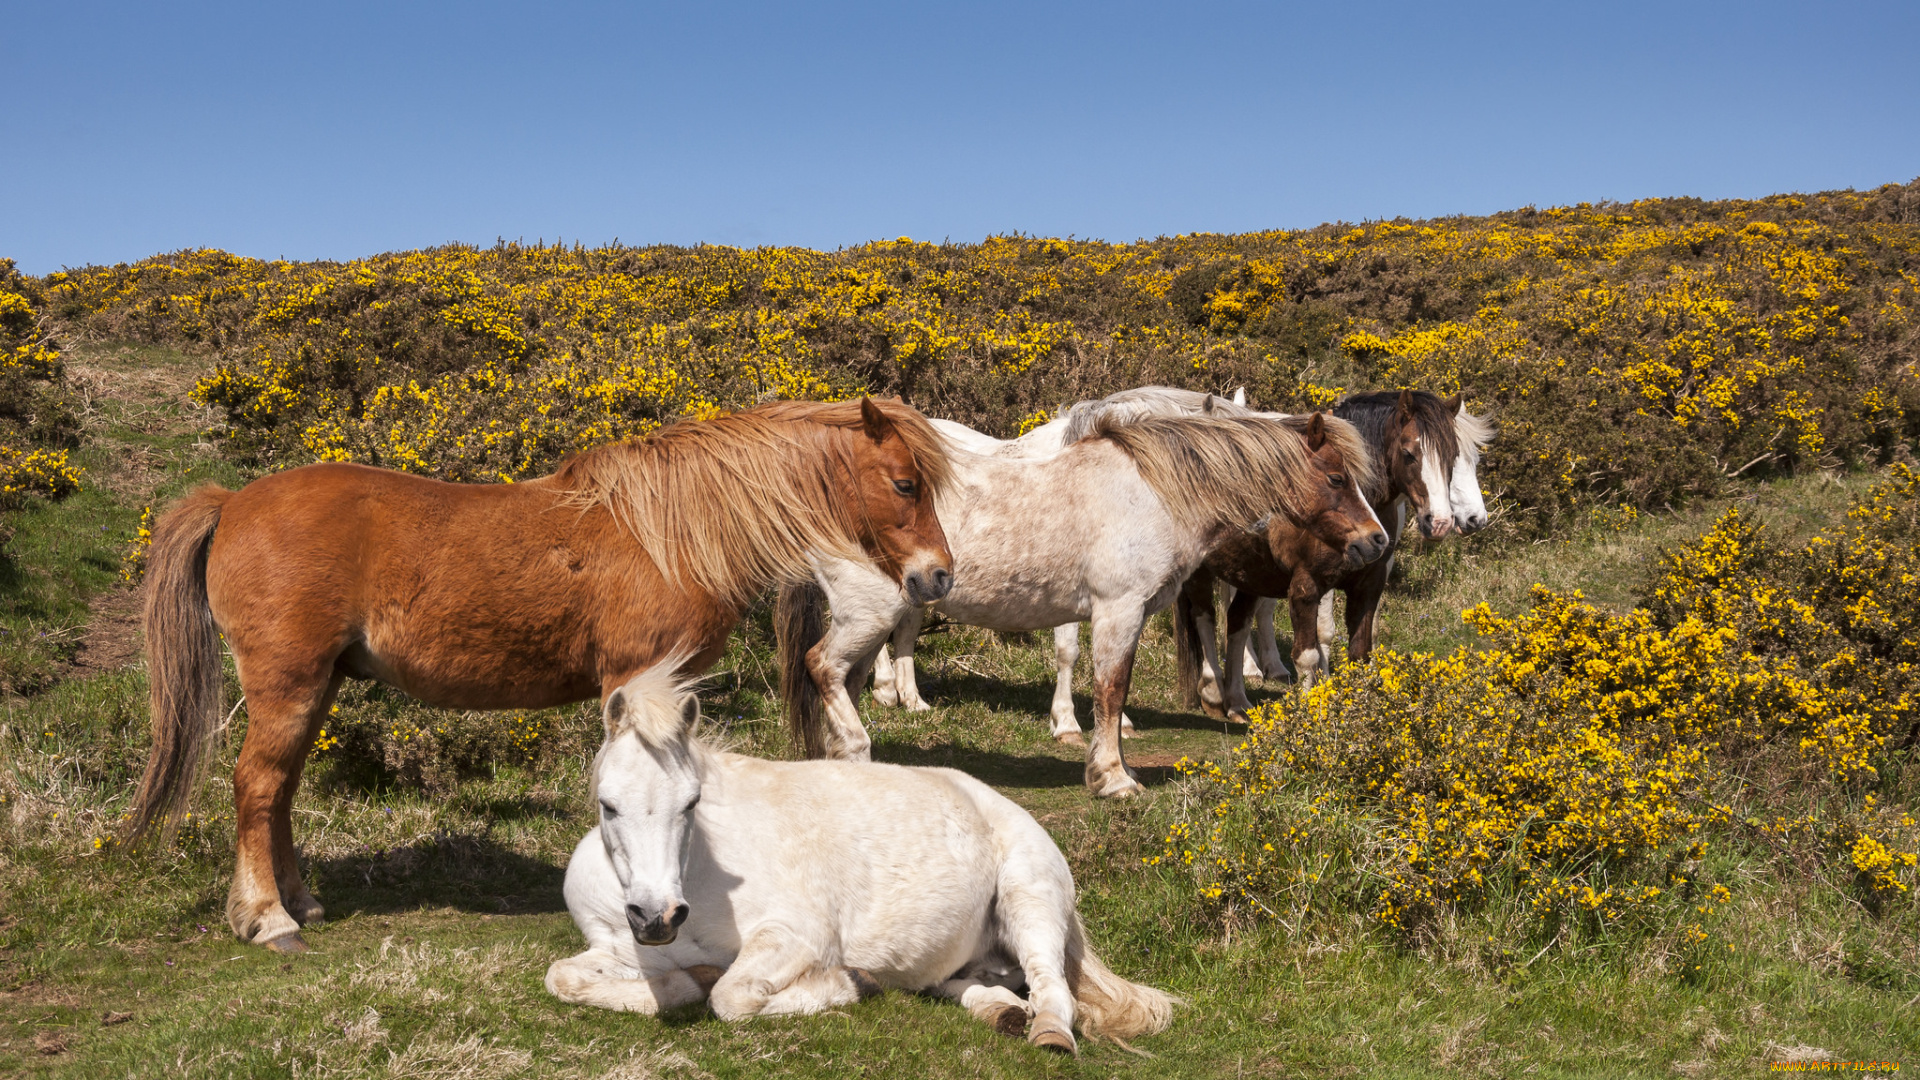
(773, 887)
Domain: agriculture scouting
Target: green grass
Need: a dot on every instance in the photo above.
(445, 909)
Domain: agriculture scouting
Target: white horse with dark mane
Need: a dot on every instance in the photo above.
(1105, 529)
(894, 680)
(778, 887)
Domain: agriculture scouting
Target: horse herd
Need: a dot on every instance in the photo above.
(778, 887)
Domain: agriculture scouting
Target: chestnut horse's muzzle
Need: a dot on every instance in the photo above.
(928, 587)
(1366, 549)
(658, 929)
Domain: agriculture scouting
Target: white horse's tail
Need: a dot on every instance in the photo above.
(1109, 1006)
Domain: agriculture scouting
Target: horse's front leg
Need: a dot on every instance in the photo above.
(778, 972)
(1363, 606)
(841, 656)
(1066, 653)
(897, 668)
(1309, 649)
(1239, 620)
(1270, 667)
(1116, 636)
(602, 979)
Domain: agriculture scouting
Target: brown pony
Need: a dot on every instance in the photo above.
(1413, 436)
(499, 596)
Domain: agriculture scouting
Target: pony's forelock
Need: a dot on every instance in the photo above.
(1474, 432)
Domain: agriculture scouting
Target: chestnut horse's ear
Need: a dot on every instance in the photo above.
(876, 423)
(1456, 403)
(616, 710)
(1316, 432)
(1404, 410)
(689, 712)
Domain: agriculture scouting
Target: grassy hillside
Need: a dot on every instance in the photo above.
(1654, 367)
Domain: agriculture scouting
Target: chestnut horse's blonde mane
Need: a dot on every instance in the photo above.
(1211, 470)
(738, 502)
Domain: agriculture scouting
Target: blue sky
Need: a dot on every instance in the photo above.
(334, 131)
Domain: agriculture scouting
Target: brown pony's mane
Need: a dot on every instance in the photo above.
(738, 502)
(1220, 469)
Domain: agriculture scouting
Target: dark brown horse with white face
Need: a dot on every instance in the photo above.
(1428, 449)
(499, 596)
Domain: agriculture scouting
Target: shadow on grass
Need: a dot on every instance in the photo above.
(1018, 697)
(456, 870)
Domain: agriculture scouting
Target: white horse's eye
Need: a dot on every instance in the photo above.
(607, 809)
(694, 803)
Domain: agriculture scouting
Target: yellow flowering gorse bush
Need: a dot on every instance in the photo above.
(1636, 354)
(1585, 762)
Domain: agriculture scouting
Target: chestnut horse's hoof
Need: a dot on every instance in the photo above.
(287, 943)
(1050, 1033)
(1238, 716)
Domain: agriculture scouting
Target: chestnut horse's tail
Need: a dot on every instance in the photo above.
(183, 658)
(798, 627)
(1197, 590)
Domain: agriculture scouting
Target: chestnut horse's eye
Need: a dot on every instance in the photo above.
(1336, 480)
(905, 487)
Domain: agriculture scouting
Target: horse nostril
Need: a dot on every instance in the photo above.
(679, 916)
(942, 579)
(636, 918)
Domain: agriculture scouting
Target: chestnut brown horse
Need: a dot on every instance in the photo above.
(1417, 438)
(499, 596)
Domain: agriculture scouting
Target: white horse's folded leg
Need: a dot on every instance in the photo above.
(1066, 653)
(905, 635)
(1036, 915)
(772, 960)
(597, 977)
(996, 1006)
(1267, 644)
(885, 692)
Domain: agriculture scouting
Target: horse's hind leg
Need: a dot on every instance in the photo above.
(1036, 913)
(991, 1001)
(268, 901)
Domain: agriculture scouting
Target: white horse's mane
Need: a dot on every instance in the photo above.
(1144, 401)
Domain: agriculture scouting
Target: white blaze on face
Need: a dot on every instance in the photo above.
(1469, 505)
(1439, 517)
(646, 798)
